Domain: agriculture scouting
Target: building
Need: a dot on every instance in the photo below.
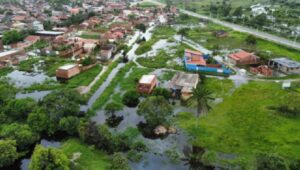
(67, 71)
(182, 84)
(107, 51)
(284, 65)
(147, 84)
(243, 58)
(198, 62)
(221, 33)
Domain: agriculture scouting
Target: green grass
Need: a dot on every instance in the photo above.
(105, 96)
(90, 158)
(236, 40)
(90, 35)
(27, 65)
(5, 71)
(38, 45)
(244, 125)
(147, 5)
(219, 88)
(130, 82)
(161, 32)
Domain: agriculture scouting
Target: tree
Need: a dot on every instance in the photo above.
(69, 124)
(238, 12)
(119, 162)
(59, 104)
(142, 27)
(155, 110)
(48, 25)
(111, 108)
(8, 152)
(10, 92)
(201, 96)
(12, 37)
(183, 32)
(251, 40)
(161, 92)
(23, 135)
(38, 120)
(131, 98)
(48, 158)
(19, 109)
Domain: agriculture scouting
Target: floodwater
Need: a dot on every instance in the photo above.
(102, 87)
(36, 95)
(23, 79)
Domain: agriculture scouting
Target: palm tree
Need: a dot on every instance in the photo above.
(201, 95)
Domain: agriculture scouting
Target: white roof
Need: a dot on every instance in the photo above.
(50, 32)
(67, 67)
(147, 79)
(3, 54)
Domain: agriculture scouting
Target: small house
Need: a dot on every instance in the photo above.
(243, 58)
(67, 71)
(221, 33)
(147, 84)
(182, 84)
(107, 51)
(285, 65)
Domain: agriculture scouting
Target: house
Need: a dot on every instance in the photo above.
(9, 57)
(31, 39)
(147, 84)
(221, 33)
(74, 11)
(107, 51)
(48, 34)
(67, 71)
(243, 58)
(198, 62)
(284, 65)
(182, 84)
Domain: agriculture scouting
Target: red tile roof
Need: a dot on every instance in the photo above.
(240, 55)
(194, 57)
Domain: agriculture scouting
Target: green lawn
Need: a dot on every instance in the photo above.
(5, 71)
(220, 88)
(147, 4)
(244, 125)
(90, 159)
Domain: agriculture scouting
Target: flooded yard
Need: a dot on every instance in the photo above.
(23, 79)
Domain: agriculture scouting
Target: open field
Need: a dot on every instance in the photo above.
(244, 125)
(90, 158)
(236, 40)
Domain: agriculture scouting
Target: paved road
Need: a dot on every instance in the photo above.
(263, 35)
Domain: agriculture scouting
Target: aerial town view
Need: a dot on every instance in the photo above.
(150, 84)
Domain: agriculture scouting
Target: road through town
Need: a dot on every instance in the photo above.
(260, 34)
